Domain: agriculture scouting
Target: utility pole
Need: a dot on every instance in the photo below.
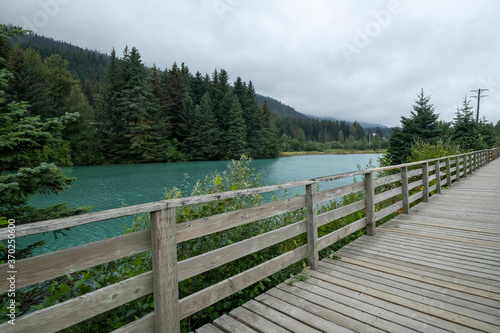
(478, 99)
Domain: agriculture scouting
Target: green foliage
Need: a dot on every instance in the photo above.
(421, 150)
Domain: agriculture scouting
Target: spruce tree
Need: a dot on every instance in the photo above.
(204, 136)
(234, 142)
(111, 126)
(140, 109)
(422, 125)
(465, 128)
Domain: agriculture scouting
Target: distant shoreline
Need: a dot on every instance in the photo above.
(332, 152)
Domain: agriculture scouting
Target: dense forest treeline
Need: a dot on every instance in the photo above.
(130, 113)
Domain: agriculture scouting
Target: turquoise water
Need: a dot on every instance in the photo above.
(112, 186)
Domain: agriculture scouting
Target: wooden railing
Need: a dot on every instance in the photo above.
(421, 177)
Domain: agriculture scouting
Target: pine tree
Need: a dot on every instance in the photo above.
(269, 140)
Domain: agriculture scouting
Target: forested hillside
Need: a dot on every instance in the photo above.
(129, 113)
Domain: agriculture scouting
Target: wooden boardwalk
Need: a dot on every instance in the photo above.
(436, 269)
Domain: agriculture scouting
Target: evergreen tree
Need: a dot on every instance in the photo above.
(269, 140)
(466, 129)
(204, 136)
(140, 110)
(111, 126)
(422, 125)
(234, 142)
(198, 88)
(175, 91)
(28, 146)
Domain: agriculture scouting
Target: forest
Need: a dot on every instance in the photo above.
(130, 113)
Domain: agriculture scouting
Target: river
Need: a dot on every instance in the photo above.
(112, 186)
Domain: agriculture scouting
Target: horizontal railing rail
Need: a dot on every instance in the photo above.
(407, 184)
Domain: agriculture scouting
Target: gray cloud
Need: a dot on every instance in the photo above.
(359, 60)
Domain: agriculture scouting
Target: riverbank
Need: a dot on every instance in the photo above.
(333, 152)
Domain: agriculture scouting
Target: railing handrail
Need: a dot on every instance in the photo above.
(165, 233)
(77, 220)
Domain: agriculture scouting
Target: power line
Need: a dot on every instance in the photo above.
(478, 99)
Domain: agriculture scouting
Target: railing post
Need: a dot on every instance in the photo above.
(448, 172)
(165, 281)
(465, 165)
(438, 177)
(474, 156)
(312, 226)
(404, 189)
(370, 204)
(425, 178)
(457, 167)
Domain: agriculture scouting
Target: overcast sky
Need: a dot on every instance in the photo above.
(355, 60)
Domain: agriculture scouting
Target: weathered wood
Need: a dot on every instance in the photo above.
(255, 321)
(370, 204)
(51, 265)
(208, 328)
(75, 310)
(340, 212)
(415, 184)
(200, 300)
(207, 261)
(457, 167)
(387, 195)
(448, 172)
(215, 223)
(332, 237)
(388, 210)
(337, 192)
(404, 189)
(145, 324)
(312, 226)
(228, 324)
(425, 179)
(164, 259)
(438, 178)
(387, 179)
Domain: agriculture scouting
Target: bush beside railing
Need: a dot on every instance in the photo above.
(408, 184)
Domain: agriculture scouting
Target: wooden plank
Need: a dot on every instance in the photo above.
(370, 204)
(51, 265)
(468, 275)
(334, 312)
(333, 237)
(164, 260)
(419, 273)
(303, 321)
(145, 324)
(207, 261)
(256, 321)
(208, 328)
(193, 303)
(446, 315)
(425, 176)
(279, 318)
(403, 291)
(82, 307)
(340, 212)
(337, 192)
(358, 307)
(387, 179)
(404, 190)
(387, 195)
(312, 226)
(228, 324)
(215, 223)
(388, 211)
(482, 304)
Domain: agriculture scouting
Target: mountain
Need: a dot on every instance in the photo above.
(363, 124)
